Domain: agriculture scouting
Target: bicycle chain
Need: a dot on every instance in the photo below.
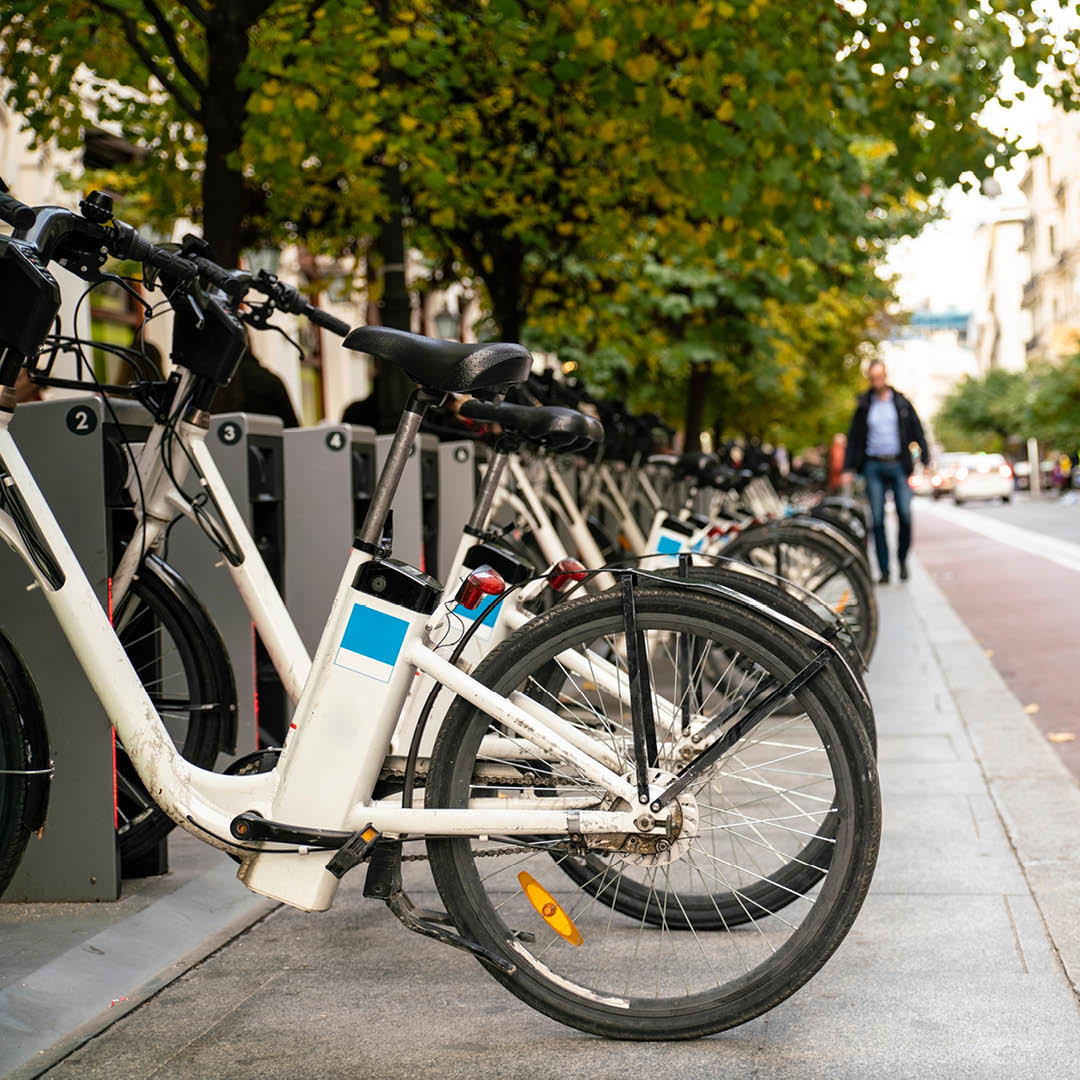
(494, 852)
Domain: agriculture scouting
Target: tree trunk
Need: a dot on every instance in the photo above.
(224, 112)
(696, 390)
(395, 307)
(505, 288)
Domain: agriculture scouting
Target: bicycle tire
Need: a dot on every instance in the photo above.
(673, 1010)
(850, 524)
(183, 663)
(763, 546)
(15, 758)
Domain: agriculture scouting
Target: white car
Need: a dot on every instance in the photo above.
(983, 476)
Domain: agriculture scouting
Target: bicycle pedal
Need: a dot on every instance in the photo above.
(354, 851)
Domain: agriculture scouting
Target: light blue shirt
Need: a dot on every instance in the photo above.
(882, 428)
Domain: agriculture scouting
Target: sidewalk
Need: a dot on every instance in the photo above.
(958, 966)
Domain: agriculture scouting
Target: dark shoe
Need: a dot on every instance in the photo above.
(884, 579)
(903, 571)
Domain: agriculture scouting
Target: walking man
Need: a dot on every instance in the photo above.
(879, 441)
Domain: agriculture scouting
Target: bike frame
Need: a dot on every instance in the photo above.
(369, 653)
(161, 502)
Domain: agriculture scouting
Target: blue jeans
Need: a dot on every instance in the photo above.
(880, 476)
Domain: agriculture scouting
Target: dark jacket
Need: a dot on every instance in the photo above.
(910, 432)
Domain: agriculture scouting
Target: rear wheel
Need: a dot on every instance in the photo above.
(800, 783)
(182, 662)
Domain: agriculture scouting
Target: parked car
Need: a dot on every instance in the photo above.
(944, 475)
(983, 476)
(1022, 475)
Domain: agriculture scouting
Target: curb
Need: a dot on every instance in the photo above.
(1035, 795)
(58, 1007)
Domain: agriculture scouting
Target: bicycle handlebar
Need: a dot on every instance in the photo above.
(18, 215)
(124, 242)
(288, 299)
(233, 283)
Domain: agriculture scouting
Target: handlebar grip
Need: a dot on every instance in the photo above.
(169, 262)
(233, 283)
(18, 215)
(326, 320)
(128, 244)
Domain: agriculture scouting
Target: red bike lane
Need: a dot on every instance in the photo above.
(1023, 609)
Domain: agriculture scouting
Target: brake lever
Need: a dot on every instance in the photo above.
(257, 315)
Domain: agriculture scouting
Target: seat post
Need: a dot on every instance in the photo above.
(369, 537)
(490, 484)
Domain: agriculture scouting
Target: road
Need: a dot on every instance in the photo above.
(1012, 572)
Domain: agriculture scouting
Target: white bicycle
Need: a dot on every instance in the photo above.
(604, 779)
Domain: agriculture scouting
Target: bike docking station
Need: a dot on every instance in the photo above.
(429, 503)
(249, 453)
(456, 494)
(329, 482)
(76, 452)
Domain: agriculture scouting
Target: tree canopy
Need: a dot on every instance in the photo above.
(659, 191)
(1002, 409)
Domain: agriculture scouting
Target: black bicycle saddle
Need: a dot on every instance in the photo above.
(449, 366)
(548, 425)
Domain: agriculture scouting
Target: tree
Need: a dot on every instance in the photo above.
(171, 76)
(1055, 405)
(983, 412)
(574, 157)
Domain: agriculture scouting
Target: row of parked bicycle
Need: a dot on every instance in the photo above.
(629, 730)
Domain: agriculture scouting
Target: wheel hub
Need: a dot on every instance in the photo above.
(658, 847)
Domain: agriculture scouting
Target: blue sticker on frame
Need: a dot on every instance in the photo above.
(371, 643)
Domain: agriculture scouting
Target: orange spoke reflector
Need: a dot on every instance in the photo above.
(548, 908)
(843, 602)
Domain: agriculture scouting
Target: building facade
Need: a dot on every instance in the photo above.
(1001, 326)
(1051, 241)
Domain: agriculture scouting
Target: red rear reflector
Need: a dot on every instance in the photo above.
(566, 572)
(483, 581)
